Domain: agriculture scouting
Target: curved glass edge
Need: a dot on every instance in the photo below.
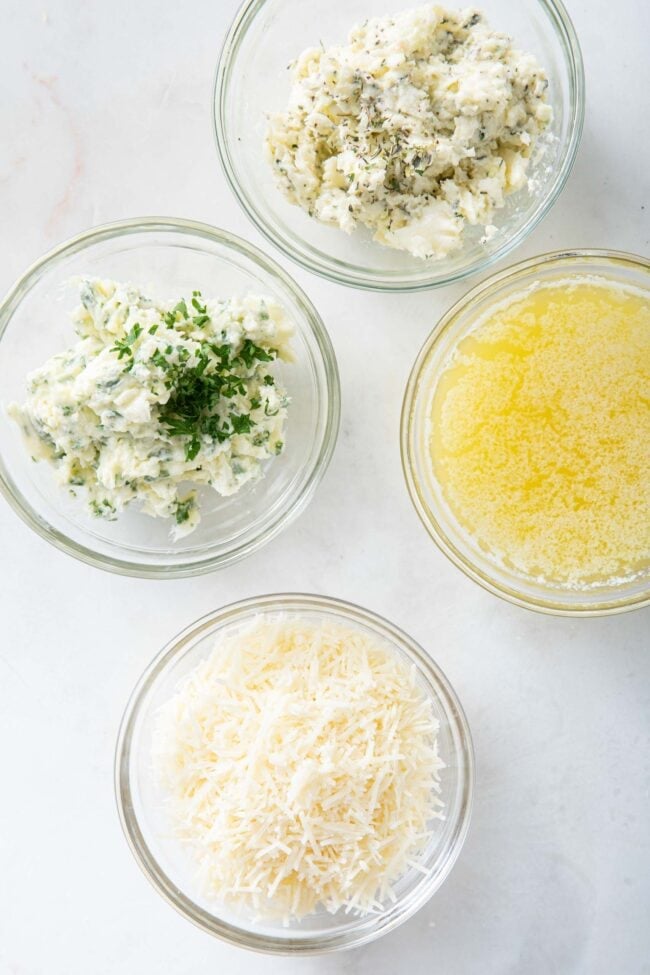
(321, 944)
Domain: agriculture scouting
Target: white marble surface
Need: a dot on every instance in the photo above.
(104, 112)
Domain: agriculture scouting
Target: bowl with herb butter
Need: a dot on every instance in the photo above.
(170, 397)
(402, 146)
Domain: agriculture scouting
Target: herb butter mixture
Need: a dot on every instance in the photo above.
(420, 125)
(157, 395)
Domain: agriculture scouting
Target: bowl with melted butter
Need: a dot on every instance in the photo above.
(526, 433)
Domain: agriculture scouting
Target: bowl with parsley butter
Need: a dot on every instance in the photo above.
(526, 433)
(169, 397)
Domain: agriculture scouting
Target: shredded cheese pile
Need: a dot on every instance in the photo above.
(301, 767)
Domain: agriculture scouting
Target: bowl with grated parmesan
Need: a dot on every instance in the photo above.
(294, 774)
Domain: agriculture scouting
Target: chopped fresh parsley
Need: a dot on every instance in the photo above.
(241, 423)
(123, 347)
(159, 360)
(183, 509)
(249, 352)
(196, 295)
(200, 384)
(192, 447)
(171, 317)
(202, 318)
(102, 509)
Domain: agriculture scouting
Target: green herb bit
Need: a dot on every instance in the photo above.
(212, 429)
(192, 447)
(241, 423)
(199, 382)
(250, 352)
(202, 360)
(232, 386)
(222, 353)
(183, 509)
(202, 317)
(123, 346)
(190, 408)
(102, 509)
(159, 360)
(171, 317)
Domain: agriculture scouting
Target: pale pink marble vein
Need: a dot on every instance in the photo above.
(49, 85)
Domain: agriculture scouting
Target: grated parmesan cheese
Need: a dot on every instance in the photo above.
(301, 768)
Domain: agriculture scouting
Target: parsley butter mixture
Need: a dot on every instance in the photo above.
(157, 395)
(420, 125)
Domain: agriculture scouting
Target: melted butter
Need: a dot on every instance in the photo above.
(540, 433)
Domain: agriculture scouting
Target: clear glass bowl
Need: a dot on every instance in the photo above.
(169, 258)
(166, 864)
(425, 491)
(252, 80)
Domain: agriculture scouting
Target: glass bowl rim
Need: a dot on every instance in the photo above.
(244, 17)
(312, 321)
(515, 272)
(319, 942)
